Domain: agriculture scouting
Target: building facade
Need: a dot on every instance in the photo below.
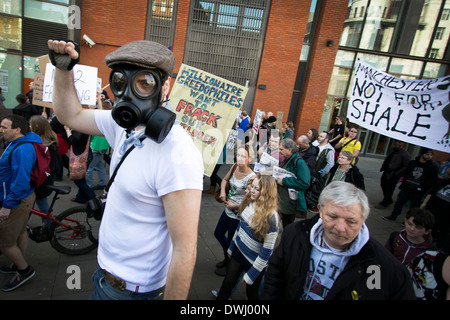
(295, 56)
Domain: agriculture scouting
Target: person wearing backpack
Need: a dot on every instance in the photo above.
(41, 127)
(325, 158)
(17, 197)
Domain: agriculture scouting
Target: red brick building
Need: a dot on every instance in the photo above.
(295, 56)
(111, 24)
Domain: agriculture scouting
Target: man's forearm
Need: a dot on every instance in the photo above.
(65, 99)
(180, 274)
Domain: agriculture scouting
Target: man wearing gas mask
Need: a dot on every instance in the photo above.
(148, 233)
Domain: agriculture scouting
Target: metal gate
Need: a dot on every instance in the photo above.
(226, 39)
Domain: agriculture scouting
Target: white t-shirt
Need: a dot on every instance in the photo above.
(134, 241)
(237, 192)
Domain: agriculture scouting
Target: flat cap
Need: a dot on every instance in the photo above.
(145, 54)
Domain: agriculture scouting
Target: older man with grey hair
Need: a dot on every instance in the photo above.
(307, 151)
(333, 257)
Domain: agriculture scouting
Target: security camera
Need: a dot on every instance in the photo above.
(89, 41)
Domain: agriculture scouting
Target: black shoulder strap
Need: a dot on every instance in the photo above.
(348, 143)
(14, 148)
(119, 164)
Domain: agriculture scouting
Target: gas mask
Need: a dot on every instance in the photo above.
(138, 102)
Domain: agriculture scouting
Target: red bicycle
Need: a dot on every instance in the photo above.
(71, 232)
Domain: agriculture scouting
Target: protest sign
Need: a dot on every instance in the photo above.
(206, 107)
(279, 123)
(413, 111)
(85, 81)
(38, 91)
(257, 121)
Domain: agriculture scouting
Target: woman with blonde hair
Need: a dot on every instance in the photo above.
(254, 239)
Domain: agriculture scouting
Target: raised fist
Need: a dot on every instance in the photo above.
(63, 54)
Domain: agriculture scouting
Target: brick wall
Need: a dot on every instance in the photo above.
(110, 24)
(279, 63)
(330, 23)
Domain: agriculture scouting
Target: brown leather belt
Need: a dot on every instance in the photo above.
(114, 281)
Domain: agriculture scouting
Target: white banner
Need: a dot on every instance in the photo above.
(414, 111)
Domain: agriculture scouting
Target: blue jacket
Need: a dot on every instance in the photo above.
(15, 178)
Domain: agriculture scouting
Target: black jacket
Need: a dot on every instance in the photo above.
(420, 177)
(395, 163)
(353, 176)
(288, 267)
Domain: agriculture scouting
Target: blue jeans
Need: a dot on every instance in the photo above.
(97, 164)
(226, 225)
(104, 291)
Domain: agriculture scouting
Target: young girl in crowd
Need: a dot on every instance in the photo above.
(238, 176)
(254, 239)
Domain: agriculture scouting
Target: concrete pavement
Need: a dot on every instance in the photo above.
(53, 272)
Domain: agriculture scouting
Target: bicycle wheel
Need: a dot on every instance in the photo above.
(75, 233)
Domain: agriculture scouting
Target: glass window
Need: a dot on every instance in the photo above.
(162, 10)
(405, 68)
(425, 28)
(307, 39)
(381, 19)
(13, 7)
(340, 77)
(252, 19)
(10, 78)
(376, 61)
(46, 11)
(441, 37)
(31, 67)
(227, 17)
(10, 33)
(434, 70)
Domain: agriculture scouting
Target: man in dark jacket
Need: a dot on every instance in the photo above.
(419, 178)
(25, 109)
(393, 167)
(334, 257)
(307, 151)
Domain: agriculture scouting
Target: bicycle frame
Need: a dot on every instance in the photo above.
(49, 215)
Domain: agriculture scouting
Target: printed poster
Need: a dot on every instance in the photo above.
(206, 107)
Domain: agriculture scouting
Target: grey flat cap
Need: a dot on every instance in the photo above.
(143, 53)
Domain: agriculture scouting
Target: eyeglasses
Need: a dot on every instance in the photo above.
(354, 131)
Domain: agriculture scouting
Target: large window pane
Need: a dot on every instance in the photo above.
(13, 7)
(434, 70)
(340, 77)
(46, 11)
(442, 35)
(381, 19)
(10, 78)
(405, 68)
(31, 67)
(10, 33)
(423, 36)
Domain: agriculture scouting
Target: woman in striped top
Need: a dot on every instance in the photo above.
(254, 239)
